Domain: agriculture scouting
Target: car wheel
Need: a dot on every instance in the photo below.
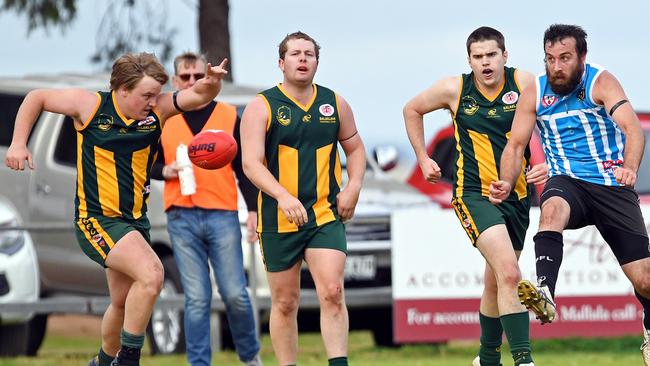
(13, 339)
(382, 331)
(165, 330)
(37, 327)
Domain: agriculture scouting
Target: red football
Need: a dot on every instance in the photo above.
(212, 149)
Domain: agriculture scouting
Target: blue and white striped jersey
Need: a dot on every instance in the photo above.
(579, 137)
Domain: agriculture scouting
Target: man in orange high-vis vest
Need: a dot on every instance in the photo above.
(204, 227)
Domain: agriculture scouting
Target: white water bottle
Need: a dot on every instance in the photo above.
(186, 174)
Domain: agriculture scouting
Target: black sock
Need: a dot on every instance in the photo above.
(548, 258)
(645, 302)
(338, 361)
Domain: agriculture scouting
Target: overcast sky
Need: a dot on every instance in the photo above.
(377, 54)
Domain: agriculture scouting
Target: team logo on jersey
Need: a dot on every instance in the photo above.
(147, 121)
(492, 113)
(510, 97)
(548, 100)
(306, 118)
(326, 110)
(104, 122)
(581, 94)
(283, 115)
(469, 105)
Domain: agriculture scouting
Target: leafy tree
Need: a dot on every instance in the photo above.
(130, 25)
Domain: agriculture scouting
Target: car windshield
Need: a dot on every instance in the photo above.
(642, 185)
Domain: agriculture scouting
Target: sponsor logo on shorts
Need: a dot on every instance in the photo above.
(94, 234)
(467, 223)
(548, 100)
(510, 97)
(283, 115)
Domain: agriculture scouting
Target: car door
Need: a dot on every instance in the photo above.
(64, 266)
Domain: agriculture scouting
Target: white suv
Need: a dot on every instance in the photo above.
(19, 282)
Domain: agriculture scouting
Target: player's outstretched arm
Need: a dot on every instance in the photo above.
(202, 92)
(76, 103)
(355, 161)
(609, 93)
(441, 95)
(520, 133)
(253, 136)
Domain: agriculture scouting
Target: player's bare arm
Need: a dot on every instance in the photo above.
(352, 145)
(524, 78)
(253, 135)
(203, 91)
(443, 94)
(520, 133)
(538, 174)
(609, 92)
(76, 103)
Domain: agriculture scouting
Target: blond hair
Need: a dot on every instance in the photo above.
(130, 68)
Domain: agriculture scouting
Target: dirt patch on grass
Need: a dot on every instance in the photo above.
(74, 325)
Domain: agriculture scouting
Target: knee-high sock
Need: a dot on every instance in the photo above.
(645, 302)
(548, 257)
(491, 335)
(517, 328)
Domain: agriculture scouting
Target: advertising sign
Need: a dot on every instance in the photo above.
(438, 281)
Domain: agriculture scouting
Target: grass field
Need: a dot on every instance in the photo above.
(75, 350)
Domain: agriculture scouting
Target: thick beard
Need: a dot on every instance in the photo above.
(574, 79)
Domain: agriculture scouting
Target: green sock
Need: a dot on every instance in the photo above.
(338, 361)
(131, 340)
(517, 327)
(491, 336)
(104, 359)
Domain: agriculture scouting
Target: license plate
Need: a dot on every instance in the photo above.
(360, 267)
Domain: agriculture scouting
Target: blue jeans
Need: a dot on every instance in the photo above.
(199, 235)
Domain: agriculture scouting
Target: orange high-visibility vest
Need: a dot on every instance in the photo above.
(215, 189)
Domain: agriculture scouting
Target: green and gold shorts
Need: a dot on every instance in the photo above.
(98, 234)
(477, 214)
(280, 251)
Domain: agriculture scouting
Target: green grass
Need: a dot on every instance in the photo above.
(58, 350)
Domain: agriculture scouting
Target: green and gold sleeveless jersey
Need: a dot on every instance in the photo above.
(302, 154)
(114, 158)
(482, 127)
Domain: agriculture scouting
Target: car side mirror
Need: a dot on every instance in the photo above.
(386, 157)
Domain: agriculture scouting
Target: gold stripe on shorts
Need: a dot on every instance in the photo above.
(467, 222)
(259, 236)
(89, 237)
(102, 232)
